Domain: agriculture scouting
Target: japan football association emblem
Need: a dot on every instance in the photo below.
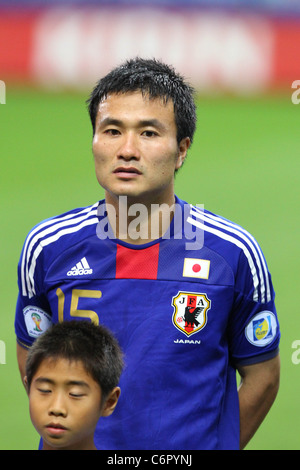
(190, 312)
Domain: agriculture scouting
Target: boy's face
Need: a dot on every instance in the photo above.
(65, 405)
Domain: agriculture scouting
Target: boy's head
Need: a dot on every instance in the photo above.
(153, 79)
(72, 373)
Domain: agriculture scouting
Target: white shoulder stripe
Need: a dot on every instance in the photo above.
(42, 231)
(47, 241)
(244, 241)
(55, 225)
(259, 257)
(237, 243)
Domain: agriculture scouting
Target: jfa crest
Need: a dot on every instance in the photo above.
(190, 312)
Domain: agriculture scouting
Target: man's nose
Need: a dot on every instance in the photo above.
(129, 148)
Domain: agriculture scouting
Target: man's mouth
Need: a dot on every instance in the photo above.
(127, 172)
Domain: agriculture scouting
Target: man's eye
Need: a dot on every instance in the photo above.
(44, 390)
(150, 133)
(112, 132)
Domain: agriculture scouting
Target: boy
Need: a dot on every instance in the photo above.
(72, 372)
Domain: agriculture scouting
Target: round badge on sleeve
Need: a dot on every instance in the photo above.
(36, 320)
(261, 330)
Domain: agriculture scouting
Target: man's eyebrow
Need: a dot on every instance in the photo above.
(110, 121)
(152, 123)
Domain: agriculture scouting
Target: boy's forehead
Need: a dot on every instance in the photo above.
(59, 369)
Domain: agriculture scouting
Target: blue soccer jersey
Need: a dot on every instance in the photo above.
(187, 309)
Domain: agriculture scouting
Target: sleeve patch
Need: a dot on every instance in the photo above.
(37, 321)
(262, 328)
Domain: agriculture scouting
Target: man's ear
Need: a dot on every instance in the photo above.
(183, 147)
(111, 402)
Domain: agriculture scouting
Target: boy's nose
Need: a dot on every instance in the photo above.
(57, 406)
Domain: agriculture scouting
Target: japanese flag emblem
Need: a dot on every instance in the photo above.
(194, 267)
(190, 312)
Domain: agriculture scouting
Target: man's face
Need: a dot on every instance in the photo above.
(135, 148)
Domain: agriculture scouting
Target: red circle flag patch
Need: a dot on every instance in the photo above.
(194, 267)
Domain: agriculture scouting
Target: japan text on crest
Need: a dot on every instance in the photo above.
(190, 312)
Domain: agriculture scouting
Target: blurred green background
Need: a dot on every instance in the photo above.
(244, 164)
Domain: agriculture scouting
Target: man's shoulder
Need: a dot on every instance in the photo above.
(237, 246)
(63, 221)
(47, 240)
(219, 227)
(65, 216)
(59, 232)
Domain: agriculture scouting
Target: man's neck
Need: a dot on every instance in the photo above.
(137, 222)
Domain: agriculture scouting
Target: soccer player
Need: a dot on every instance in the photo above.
(72, 376)
(187, 293)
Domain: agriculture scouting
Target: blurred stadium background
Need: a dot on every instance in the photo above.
(244, 163)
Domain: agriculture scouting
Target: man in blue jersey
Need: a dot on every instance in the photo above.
(187, 293)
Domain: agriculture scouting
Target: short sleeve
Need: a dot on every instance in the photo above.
(254, 332)
(32, 316)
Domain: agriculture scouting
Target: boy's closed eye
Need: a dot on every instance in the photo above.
(43, 390)
(77, 394)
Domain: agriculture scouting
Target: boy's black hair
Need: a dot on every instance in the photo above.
(95, 346)
(155, 80)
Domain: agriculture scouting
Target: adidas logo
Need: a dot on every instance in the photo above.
(80, 268)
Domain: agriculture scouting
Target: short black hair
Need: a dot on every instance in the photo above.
(154, 79)
(79, 340)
